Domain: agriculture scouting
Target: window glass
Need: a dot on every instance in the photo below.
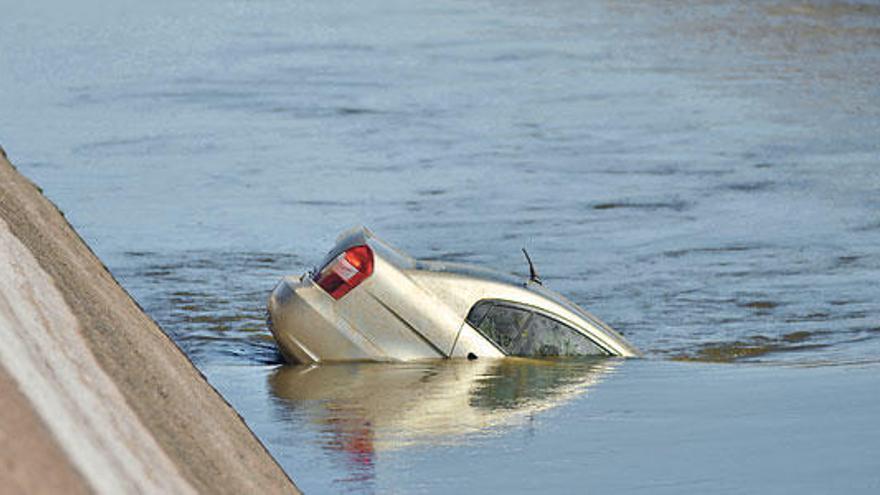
(544, 337)
(478, 312)
(519, 331)
(504, 325)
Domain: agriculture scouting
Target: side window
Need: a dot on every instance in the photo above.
(545, 336)
(478, 312)
(500, 323)
(519, 331)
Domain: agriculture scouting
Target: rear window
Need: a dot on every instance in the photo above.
(521, 331)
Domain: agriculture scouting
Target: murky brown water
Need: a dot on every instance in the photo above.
(702, 175)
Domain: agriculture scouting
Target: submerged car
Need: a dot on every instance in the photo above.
(368, 301)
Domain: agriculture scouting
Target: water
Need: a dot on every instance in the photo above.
(702, 175)
(634, 427)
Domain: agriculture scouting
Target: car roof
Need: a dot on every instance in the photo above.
(468, 270)
(362, 235)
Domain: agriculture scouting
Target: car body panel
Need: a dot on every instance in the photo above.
(391, 334)
(428, 316)
(321, 334)
(461, 291)
(409, 310)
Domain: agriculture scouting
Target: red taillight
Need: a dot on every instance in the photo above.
(346, 271)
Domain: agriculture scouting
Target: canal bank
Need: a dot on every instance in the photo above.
(96, 397)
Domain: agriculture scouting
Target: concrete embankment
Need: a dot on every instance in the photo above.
(95, 397)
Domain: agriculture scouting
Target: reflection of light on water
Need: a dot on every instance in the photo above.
(381, 406)
(365, 408)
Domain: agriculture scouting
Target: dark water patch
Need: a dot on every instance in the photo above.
(791, 347)
(738, 274)
(822, 12)
(802, 335)
(309, 111)
(389, 168)
(321, 203)
(143, 145)
(843, 261)
(221, 322)
(648, 206)
(664, 171)
(138, 254)
(266, 259)
(527, 55)
(573, 276)
(326, 80)
(736, 248)
(114, 143)
(757, 346)
(196, 96)
(156, 273)
(756, 186)
(185, 294)
(152, 145)
(431, 192)
(760, 304)
(855, 315)
(868, 227)
(819, 316)
(320, 48)
(843, 302)
(857, 340)
(357, 111)
(760, 273)
(293, 111)
(80, 99)
(34, 164)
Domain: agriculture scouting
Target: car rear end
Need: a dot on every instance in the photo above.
(360, 304)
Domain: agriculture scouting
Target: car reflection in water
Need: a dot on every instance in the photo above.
(364, 408)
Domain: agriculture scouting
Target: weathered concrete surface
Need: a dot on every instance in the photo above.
(95, 397)
(31, 461)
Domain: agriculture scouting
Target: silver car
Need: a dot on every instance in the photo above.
(370, 302)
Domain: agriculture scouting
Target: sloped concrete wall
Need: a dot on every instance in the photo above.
(95, 397)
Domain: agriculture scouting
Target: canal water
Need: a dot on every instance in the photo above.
(703, 175)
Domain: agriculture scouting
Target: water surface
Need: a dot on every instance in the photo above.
(702, 175)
